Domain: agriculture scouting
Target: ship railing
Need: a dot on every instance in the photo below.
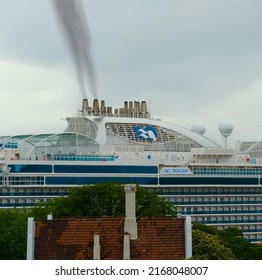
(141, 115)
(73, 157)
(67, 157)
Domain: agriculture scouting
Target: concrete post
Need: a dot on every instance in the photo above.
(188, 237)
(130, 220)
(97, 247)
(30, 238)
(126, 253)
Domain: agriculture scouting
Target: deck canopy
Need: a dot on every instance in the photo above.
(34, 145)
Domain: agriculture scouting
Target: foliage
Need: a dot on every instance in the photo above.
(104, 200)
(231, 238)
(208, 246)
(206, 229)
(13, 230)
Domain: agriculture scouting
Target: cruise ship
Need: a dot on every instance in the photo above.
(214, 185)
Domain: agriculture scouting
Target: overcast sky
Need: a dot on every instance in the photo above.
(194, 60)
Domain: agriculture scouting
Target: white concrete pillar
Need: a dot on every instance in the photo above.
(97, 247)
(130, 219)
(30, 238)
(188, 237)
(126, 247)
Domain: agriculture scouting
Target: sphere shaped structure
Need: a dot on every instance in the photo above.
(225, 128)
(198, 127)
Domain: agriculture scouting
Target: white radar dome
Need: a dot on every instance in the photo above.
(198, 127)
(225, 128)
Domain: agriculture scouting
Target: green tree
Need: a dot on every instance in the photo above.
(208, 246)
(104, 200)
(231, 238)
(243, 250)
(13, 231)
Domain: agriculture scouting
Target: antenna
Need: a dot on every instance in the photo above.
(225, 129)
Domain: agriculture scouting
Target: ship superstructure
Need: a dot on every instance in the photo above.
(133, 125)
(212, 184)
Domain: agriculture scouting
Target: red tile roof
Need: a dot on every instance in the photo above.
(73, 239)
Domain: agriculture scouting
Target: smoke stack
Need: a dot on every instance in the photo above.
(85, 105)
(130, 220)
(126, 107)
(109, 110)
(143, 107)
(95, 106)
(103, 108)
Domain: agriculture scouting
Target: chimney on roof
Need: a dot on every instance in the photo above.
(130, 220)
(50, 216)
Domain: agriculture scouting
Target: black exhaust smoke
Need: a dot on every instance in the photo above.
(73, 22)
